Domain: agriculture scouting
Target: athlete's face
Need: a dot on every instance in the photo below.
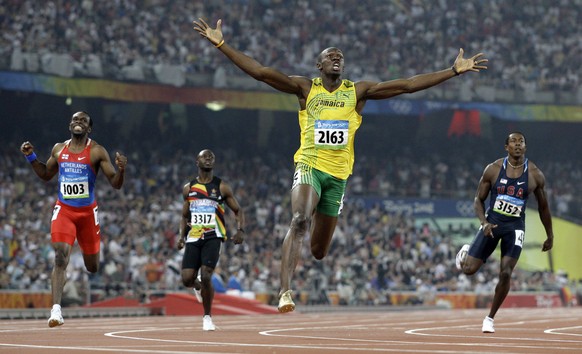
(80, 124)
(515, 146)
(205, 160)
(331, 61)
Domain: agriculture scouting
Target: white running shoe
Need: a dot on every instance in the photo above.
(461, 256)
(488, 325)
(207, 324)
(286, 303)
(56, 318)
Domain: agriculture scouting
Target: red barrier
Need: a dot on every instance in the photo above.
(185, 304)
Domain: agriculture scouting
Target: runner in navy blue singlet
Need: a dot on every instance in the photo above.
(507, 182)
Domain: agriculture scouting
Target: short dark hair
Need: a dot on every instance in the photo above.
(88, 115)
(515, 132)
(320, 56)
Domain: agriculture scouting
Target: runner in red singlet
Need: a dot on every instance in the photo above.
(77, 162)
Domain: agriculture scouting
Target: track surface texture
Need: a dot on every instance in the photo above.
(432, 331)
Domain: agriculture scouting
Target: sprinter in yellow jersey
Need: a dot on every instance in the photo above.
(330, 114)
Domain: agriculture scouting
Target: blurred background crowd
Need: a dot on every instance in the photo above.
(373, 251)
(153, 40)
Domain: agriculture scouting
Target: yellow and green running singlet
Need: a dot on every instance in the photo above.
(328, 125)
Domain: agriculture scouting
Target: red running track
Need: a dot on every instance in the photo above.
(432, 331)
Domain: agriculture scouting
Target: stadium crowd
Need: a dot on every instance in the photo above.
(373, 252)
(535, 44)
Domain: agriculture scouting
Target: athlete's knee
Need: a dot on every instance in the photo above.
(187, 281)
(187, 276)
(471, 265)
(470, 268)
(91, 262)
(60, 258)
(505, 275)
(92, 267)
(206, 277)
(299, 223)
(318, 252)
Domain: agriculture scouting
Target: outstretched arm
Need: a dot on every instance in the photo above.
(387, 89)
(270, 76)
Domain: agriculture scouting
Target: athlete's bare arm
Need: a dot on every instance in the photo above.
(487, 179)
(543, 206)
(45, 171)
(233, 204)
(101, 157)
(381, 90)
(297, 85)
(185, 219)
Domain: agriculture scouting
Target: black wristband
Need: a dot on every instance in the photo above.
(455, 71)
(241, 230)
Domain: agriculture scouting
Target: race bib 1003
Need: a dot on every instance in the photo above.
(75, 189)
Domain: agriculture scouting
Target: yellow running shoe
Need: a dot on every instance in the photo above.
(286, 303)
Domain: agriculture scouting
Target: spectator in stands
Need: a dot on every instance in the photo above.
(35, 38)
(71, 295)
(132, 216)
(507, 182)
(203, 229)
(330, 114)
(77, 161)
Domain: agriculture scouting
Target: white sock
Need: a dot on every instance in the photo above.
(56, 306)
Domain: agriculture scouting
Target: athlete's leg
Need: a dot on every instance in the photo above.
(481, 248)
(209, 256)
(88, 238)
(189, 279)
(191, 262)
(502, 288)
(471, 265)
(207, 289)
(322, 228)
(304, 198)
(58, 275)
(91, 262)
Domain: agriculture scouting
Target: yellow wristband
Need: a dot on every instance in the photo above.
(220, 43)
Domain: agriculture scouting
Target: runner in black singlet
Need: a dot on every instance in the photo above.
(507, 182)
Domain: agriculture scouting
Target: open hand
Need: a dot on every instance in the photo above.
(214, 35)
(474, 63)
